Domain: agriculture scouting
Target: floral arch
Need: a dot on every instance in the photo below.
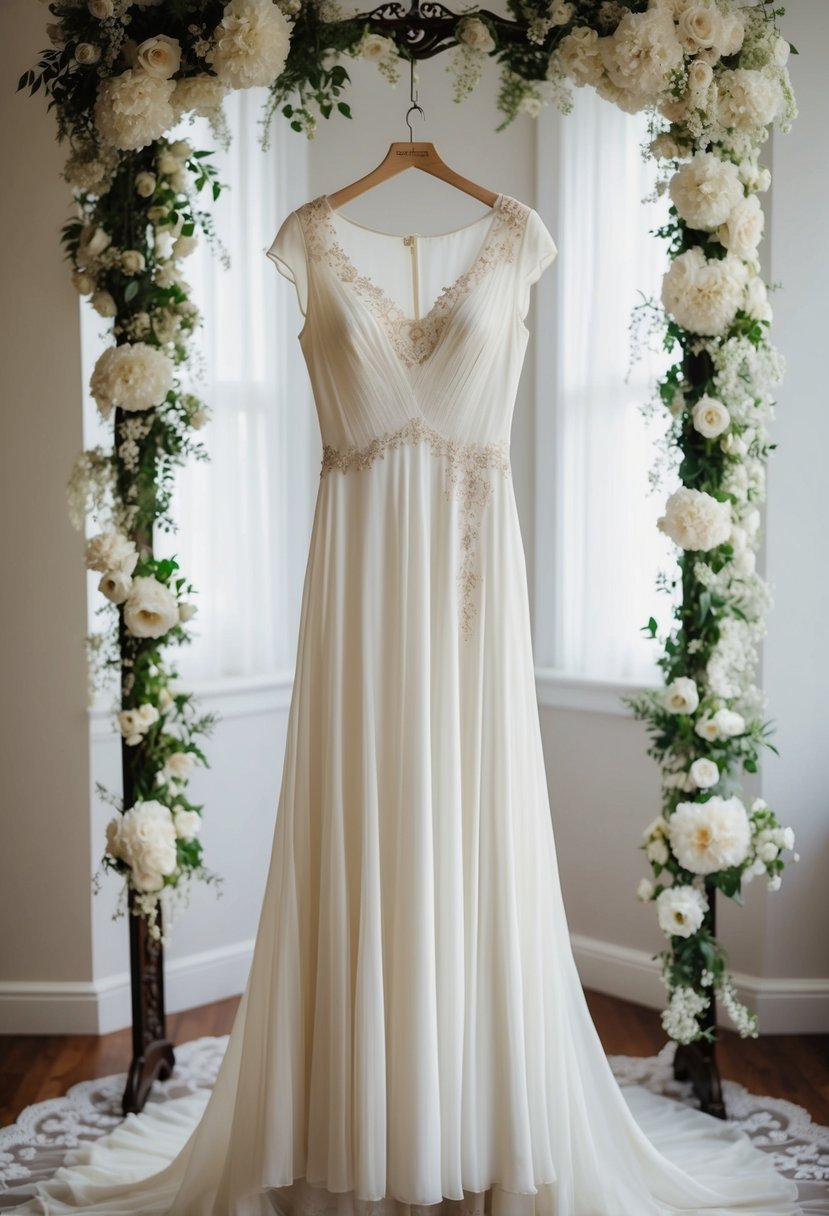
(712, 75)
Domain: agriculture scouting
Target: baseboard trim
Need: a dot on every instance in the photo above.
(784, 1006)
(101, 1006)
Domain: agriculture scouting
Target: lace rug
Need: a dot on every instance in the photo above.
(33, 1147)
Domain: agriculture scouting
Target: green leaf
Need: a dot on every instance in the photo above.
(131, 290)
(344, 108)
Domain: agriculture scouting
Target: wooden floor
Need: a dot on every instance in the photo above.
(34, 1067)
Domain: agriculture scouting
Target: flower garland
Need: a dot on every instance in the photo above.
(713, 76)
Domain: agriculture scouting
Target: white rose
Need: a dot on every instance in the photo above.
(165, 699)
(562, 12)
(104, 304)
(680, 911)
(101, 8)
(132, 261)
(700, 79)
(199, 418)
(743, 231)
(476, 33)
(710, 836)
(159, 56)
(56, 34)
(115, 586)
(93, 242)
(134, 376)
(710, 417)
(681, 697)
(696, 520)
(657, 851)
(250, 44)
(150, 610)
(704, 773)
(111, 551)
(87, 53)
(83, 281)
(706, 728)
(645, 890)
(186, 611)
(188, 824)
(183, 246)
(168, 163)
(706, 191)
(178, 768)
(145, 184)
(703, 296)
(130, 727)
(147, 715)
(757, 300)
(181, 149)
(699, 28)
(580, 57)
(729, 723)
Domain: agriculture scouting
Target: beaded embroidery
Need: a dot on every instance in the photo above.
(467, 466)
(413, 340)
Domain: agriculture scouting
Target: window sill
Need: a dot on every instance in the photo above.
(558, 690)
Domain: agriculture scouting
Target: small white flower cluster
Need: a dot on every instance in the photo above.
(135, 723)
(680, 1020)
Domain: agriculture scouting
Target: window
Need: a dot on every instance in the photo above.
(245, 517)
(598, 550)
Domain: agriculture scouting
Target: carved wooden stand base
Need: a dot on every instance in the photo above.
(697, 1063)
(152, 1052)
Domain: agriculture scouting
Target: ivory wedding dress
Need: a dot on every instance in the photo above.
(413, 1038)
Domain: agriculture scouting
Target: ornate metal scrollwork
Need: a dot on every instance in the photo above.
(427, 26)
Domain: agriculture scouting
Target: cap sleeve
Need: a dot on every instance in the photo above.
(538, 250)
(287, 252)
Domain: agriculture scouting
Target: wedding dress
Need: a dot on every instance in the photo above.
(413, 1039)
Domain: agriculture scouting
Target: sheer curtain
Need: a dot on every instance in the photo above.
(244, 518)
(598, 513)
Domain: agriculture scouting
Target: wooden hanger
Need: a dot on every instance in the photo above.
(412, 154)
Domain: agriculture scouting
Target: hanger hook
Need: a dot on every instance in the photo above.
(413, 98)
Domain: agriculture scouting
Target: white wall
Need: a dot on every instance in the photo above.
(598, 807)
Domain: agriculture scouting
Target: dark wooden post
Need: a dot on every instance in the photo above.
(152, 1051)
(697, 1062)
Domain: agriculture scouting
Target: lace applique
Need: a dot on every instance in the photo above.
(467, 466)
(413, 340)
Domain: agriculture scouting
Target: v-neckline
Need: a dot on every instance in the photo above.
(332, 214)
(415, 339)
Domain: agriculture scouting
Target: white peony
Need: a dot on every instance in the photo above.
(134, 376)
(706, 191)
(250, 44)
(145, 838)
(748, 100)
(111, 551)
(696, 520)
(150, 610)
(710, 417)
(742, 232)
(580, 56)
(201, 95)
(476, 33)
(681, 697)
(704, 773)
(133, 109)
(703, 296)
(115, 585)
(642, 52)
(710, 836)
(159, 56)
(681, 910)
(728, 722)
(188, 824)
